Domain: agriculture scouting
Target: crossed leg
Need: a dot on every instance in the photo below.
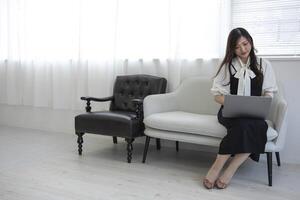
(214, 171)
(228, 173)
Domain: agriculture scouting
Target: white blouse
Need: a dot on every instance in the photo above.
(221, 86)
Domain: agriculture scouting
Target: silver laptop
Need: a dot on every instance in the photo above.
(246, 106)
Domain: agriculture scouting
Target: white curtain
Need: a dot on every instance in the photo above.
(54, 51)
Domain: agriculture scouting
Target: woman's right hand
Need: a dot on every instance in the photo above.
(219, 99)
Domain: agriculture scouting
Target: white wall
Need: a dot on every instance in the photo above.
(287, 71)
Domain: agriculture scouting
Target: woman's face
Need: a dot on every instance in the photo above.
(243, 48)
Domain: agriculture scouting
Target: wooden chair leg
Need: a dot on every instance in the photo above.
(278, 158)
(146, 148)
(79, 142)
(158, 145)
(269, 161)
(129, 149)
(115, 140)
(177, 146)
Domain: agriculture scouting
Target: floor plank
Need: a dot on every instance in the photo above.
(45, 166)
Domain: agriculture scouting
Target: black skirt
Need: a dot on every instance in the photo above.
(244, 135)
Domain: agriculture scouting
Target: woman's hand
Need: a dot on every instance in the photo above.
(268, 94)
(219, 99)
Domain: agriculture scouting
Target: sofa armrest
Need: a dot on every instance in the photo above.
(88, 100)
(280, 122)
(138, 108)
(97, 99)
(160, 103)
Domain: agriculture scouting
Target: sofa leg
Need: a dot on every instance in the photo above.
(115, 140)
(269, 161)
(146, 148)
(79, 142)
(158, 145)
(129, 149)
(177, 146)
(277, 158)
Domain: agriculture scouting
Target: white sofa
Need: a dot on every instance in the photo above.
(189, 115)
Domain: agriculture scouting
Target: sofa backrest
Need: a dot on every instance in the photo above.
(194, 96)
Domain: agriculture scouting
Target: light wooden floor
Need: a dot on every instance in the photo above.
(45, 165)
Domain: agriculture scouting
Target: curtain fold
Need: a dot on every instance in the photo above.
(53, 52)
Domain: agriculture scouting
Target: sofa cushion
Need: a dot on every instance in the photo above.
(187, 122)
(271, 133)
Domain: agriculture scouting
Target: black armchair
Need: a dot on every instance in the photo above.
(125, 116)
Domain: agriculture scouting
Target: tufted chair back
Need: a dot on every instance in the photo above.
(131, 87)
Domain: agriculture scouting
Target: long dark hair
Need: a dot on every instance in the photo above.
(233, 37)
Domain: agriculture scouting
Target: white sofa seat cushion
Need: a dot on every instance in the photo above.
(186, 122)
(193, 123)
(271, 133)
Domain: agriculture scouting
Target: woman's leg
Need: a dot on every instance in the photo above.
(216, 168)
(234, 164)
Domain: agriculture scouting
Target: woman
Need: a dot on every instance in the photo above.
(240, 73)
